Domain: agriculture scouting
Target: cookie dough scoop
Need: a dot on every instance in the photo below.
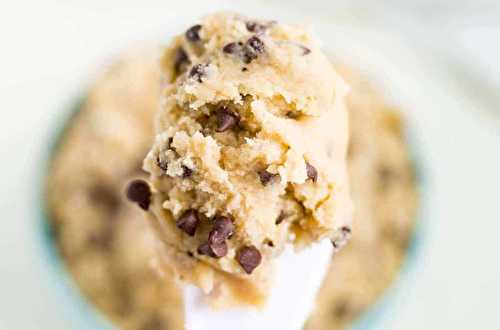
(249, 159)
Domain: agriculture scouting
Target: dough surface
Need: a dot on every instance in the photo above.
(250, 153)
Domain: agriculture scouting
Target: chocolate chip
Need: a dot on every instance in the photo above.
(292, 114)
(190, 254)
(255, 27)
(305, 50)
(312, 173)
(249, 258)
(188, 222)
(341, 309)
(387, 176)
(181, 61)
(186, 172)
(217, 244)
(205, 250)
(282, 216)
(170, 146)
(216, 247)
(346, 230)
(226, 119)
(270, 243)
(265, 176)
(252, 49)
(193, 33)
(198, 72)
(161, 163)
(244, 69)
(104, 196)
(138, 191)
(223, 226)
(232, 48)
(256, 44)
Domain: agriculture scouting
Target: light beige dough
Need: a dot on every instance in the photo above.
(252, 127)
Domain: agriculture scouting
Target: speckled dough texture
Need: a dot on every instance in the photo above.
(252, 129)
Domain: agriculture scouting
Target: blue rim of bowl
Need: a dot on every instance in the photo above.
(87, 316)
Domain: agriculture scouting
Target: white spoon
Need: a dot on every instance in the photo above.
(299, 276)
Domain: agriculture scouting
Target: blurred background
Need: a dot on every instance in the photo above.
(434, 79)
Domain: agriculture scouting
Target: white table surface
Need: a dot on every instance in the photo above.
(444, 71)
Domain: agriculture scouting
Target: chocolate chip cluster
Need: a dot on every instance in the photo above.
(247, 51)
(249, 257)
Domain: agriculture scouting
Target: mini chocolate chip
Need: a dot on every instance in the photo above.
(346, 230)
(188, 222)
(265, 176)
(162, 163)
(387, 176)
(341, 309)
(226, 119)
(193, 33)
(104, 196)
(217, 244)
(282, 216)
(312, 173)
(223, 226)
(170, 146)
(270, 243)
(305, 50)
(181, 61)
(186, 172)
(253, 47)
(190, 254)
(256, 44)
(198, 72)
(244, 69)
(138, 191)
(205, 250)
(292, 114)
(249, 258)
(255, 27)
(232, 48)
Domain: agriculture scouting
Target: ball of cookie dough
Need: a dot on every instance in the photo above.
(251, 143)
